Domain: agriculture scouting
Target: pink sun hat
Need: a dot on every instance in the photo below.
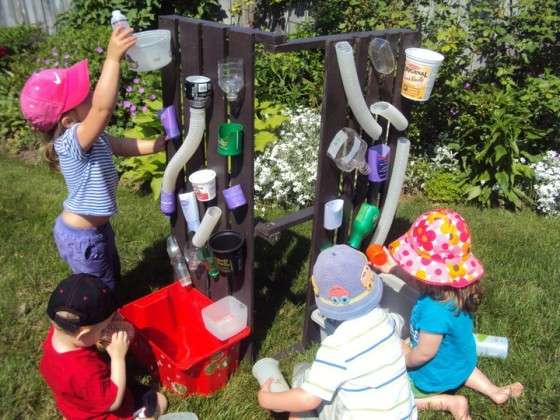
(437, 250)
(50, 93)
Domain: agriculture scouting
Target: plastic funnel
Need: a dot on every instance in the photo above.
(229, 252)
(152, 50)
(381, 56)
(333, 214)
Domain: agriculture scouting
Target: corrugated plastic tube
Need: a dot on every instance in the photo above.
(393, 192)
(197, 125)
(354, 95)
(390, 113)
(207, 225)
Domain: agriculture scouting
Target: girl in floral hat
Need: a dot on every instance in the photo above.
(436, 253)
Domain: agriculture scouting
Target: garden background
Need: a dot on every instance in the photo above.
(488, 137)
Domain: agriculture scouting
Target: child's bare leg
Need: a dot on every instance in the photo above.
(480, 382)
(457, 405)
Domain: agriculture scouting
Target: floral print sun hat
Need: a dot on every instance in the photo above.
(437, 250)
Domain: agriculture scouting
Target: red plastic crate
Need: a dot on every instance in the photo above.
(174, 345)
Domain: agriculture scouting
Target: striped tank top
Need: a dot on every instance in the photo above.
(91, 177)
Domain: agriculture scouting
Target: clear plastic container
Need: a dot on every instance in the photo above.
(348, 151)
(225, 317)
(152, 50)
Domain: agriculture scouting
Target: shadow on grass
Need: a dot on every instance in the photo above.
(277, 266)
(398, 228)
(153, 272)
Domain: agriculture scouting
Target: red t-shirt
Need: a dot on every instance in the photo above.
(81, 383)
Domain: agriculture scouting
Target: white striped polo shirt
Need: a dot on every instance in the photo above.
(362, 366)
(91, 177)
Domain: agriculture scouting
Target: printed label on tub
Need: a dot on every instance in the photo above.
(201, 193)
(415, 81)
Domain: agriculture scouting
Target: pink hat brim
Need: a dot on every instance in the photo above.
(434, 272)
(77, 82)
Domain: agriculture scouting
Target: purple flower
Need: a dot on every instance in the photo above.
(133, 113)
(152, 97)
(144, 108)
(47, 61)
(133, 108)
(453, 112)
(136, 80)
(126, 104)
(129, 89)
(99, 50)
(467, 86)
(141, 90)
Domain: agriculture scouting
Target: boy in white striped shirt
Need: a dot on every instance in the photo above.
(359, 371)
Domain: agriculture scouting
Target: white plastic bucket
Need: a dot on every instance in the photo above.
(420, 72)
(152, 50)
(204, 184)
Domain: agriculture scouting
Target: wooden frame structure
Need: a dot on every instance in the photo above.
(197, 46)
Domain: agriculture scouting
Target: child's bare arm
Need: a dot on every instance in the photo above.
(105, 93)
(117, 351)
(428, 346)
(294, 400)
(136, 147)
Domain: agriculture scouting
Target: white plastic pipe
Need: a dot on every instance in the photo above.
(207, 225)
(354, 95)
(393, 192)
(197, 124)
(390, 113)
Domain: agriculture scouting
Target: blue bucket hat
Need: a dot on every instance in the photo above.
(344, 285)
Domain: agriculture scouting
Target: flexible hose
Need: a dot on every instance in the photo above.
(354, 95)
(197, 125)
(207, 225)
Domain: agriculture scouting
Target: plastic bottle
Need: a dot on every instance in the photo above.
(180, 269)
(491, 346)
(118, 19)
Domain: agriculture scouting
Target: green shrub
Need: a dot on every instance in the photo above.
(444, 187)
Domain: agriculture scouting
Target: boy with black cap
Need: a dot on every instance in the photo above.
(84, 385)
(359, 370)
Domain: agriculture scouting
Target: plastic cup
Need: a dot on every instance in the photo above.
(152, 50)
(333, 214)
(167, 203)
(204, 184)
(234, 197)
(168, 118)
(228, 250)
(190, 210)
(230, 139)
(378, 162)
(267, 368)
(491, 346)
(420, 72)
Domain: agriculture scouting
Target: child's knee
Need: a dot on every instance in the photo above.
(162, 403)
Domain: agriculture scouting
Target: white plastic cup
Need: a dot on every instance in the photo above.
(267, 368)
(491, 346)
(190, 210)
(333, 214)
(420, 72)
(204, 184)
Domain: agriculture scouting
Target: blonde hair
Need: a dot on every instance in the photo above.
(49, 154)
(466, 298)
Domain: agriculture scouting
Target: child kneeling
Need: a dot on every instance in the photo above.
(359, 370)
(84, 385)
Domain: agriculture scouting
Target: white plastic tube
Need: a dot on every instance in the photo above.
(390, 113)
(354, 95)
(207, 225)
(393, 192)
(197, 125)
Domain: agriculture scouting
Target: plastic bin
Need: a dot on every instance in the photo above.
(173, 344)
(152, 50)
(225, 318)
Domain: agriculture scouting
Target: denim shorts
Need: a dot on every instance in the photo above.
(91, 250)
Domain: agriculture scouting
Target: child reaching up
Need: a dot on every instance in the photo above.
(58, 103)
(436, 253)
(359, 370)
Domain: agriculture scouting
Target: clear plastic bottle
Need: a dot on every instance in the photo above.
(348, 151)
(118, 19)
(180, 270)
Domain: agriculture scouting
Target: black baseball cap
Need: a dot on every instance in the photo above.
(84, 296)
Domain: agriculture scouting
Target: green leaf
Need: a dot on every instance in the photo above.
(259, 124)
(473, 192)
(155, 185)
(262, 139)
(133, 133)
(500, 151)
(503, 181)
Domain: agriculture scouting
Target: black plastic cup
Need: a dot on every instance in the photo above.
(229, 251)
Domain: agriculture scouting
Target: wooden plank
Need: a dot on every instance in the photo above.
(171, 95)
(333, 117)
(214, 49)
(267, 229)
(242, 45)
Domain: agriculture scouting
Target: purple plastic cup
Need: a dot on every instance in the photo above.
(168, 118)
(378, 161)
(167, 203)
(234, 197)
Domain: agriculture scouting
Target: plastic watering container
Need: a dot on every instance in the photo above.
(152, 50)
(173, 344)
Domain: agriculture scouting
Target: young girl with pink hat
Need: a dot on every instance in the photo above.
(58, 103)
(436, 253)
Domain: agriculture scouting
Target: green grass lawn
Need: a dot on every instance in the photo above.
(522, 301)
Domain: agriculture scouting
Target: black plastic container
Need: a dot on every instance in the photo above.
(228, 248)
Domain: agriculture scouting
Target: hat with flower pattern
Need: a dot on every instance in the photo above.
(437, 250)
